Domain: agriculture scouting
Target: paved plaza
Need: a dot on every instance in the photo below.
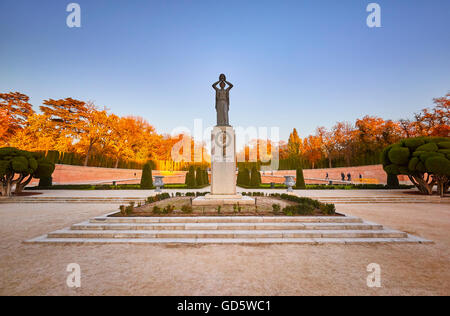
(417, 269)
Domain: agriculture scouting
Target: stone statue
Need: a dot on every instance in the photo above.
(222, 100)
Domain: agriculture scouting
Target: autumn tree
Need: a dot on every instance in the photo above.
(96, 130)
(343, 134)
(434, 121)
(68, 115)
(312, 149)
(38, 134)
(15, 110)
(328, 144)
(294, 144)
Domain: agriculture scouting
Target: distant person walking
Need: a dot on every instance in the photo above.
(327, 176)
(349, 177)
(343, 176)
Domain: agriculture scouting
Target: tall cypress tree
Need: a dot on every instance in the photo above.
(206, 177)
(255, 180)
(199, 177)
(300, 179)
(246, 177)
(147, 178)
(190, 178)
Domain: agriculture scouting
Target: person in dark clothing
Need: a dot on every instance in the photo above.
(349, 177)
(343, 176)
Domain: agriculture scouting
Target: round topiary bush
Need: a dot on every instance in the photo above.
(425, 160)
(399, 155)
(17, 167)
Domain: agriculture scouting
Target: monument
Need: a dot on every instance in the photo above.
(223, 154)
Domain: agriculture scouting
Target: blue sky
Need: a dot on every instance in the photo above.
(295, 63)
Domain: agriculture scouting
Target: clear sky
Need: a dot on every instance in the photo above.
(294, 63)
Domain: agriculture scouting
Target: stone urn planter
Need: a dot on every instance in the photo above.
(159, 183)
(290, 182)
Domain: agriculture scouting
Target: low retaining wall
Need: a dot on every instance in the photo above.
(65, 174)
(374, 172)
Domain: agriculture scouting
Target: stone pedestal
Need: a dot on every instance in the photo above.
(223, 174)
(223, 161)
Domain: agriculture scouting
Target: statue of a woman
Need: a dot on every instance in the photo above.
(222, 100)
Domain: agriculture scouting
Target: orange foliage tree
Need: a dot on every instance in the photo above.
(74, 126)
(15, 110)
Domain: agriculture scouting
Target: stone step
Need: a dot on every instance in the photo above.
(227, 219)
(222, 241)
(226, 230)
(127, 234)
(227, 226)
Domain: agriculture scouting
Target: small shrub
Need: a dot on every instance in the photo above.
(328, 209)
(129, 209)
(300, 209)
(156, 210)
(276, 208)
(168, 209)
(187, 209)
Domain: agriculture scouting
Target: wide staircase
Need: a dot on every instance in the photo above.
(226, 230)
(335, 199)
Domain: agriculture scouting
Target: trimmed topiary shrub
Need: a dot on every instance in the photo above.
(17, 167)
(44, 173)
(428, 147)
(425, 160)
(399, 155)
(243, 178)
(190, 178)
(147, 177)
(392, 181)
(300, 183)
(444, 145)
(255, 180)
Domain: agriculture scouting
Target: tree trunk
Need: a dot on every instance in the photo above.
(446, 186)
(329, 163)
(7, 189)
(22, 185)
(442, 182)
(87, 155)
(117, 163)
(423, 185)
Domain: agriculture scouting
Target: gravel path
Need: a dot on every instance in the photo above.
(228, 269)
